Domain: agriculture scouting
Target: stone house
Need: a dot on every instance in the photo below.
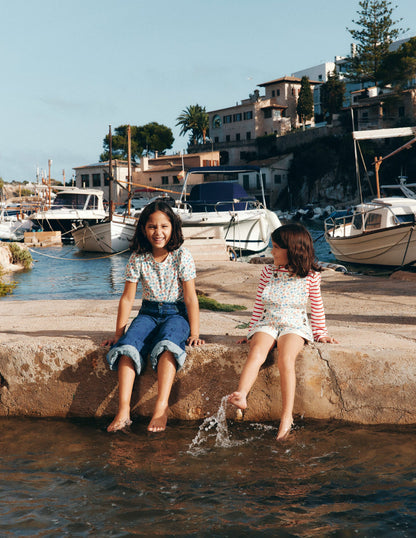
(380, 108)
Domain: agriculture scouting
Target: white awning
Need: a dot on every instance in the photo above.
(384, 133)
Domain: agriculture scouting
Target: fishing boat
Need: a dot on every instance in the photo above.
(382, 231)
(72, 207)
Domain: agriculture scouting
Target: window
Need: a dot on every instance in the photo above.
(373, 221)
(248, 115)
(165, 180)
(273, 93)
(227, 138)
(96, 180)
(216, 121)
(237, 117)
(246, 181)
(237, 136)
(248, 135)
(227, 119)
(176, 180)
(277, 179)
(277, 93)
(277, 114)
(85, 180)
(401, 111)
(216, 139)
(267, 112)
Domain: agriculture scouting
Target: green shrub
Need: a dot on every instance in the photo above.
(21, 255)
(5, 288)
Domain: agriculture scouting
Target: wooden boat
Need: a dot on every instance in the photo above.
(380, 232)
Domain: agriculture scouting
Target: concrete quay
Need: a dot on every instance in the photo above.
(52, 364)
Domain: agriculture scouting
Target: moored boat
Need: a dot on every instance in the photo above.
(72, 207)
(380, 232)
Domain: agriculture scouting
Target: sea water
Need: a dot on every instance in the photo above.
(67, 273)
(71, 478)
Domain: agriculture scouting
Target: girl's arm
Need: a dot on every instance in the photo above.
(124, 309)
(319, 329)
(192, 307)
(258, 305)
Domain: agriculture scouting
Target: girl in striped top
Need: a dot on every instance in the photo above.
(279, 315)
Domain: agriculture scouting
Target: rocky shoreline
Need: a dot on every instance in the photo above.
(52, 364)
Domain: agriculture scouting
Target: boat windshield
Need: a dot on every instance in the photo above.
(74, 201)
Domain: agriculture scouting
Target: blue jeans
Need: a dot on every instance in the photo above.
(158, 327)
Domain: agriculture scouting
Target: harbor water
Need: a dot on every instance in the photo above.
(210, 478)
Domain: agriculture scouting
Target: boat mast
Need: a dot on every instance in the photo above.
(110, 173)
(129, 169)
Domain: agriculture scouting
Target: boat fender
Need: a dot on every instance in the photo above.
(264, 229)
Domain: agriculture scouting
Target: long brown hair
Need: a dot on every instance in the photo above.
(140, 242)
(299, 244)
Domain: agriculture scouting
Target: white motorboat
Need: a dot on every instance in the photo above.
(72, 207)
(380, 232)
(246, 223)
(13, 224)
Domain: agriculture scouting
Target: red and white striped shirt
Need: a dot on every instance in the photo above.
(313, 280)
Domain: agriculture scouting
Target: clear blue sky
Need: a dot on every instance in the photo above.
(69, 69)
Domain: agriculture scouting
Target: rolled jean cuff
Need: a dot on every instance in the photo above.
(166, 345)
(129, 351)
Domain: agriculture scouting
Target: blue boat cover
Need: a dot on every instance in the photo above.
(205, 196)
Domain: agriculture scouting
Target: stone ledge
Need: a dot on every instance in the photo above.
(334, 382)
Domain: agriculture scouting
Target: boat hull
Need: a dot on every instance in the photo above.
(108, 236)
(393, 246)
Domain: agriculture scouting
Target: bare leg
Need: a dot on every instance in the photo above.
(126, 376)
(166, 370)
(260, 345)
(289, 346)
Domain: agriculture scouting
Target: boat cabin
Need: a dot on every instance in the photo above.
(75, 198)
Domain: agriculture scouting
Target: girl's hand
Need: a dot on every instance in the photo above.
(328, 340)
(242, 341)
(110, 341)
(195, 341)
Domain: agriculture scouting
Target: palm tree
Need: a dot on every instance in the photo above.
(194, 120)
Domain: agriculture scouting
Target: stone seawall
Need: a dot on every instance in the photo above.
(52, 364)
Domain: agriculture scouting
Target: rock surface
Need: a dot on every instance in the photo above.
(52, 364)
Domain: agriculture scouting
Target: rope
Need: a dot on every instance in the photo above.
(75, 259)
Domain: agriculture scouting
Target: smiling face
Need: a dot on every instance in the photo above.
(279, 255)
(158, 231)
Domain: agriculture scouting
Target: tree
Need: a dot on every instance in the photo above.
(399, 67)
(150, 138)
(376, 31)
(332, 95)
(194, 119)
(304, 107)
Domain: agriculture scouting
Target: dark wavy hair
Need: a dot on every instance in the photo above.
(140, 242)
(300, 251)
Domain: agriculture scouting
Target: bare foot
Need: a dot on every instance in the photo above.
(239, 399)
(119, 423)
(284, 429)
(159, 419)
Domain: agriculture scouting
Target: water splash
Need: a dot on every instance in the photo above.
(218, 424)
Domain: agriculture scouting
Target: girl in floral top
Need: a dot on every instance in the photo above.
(169, 315)
(279, 315)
